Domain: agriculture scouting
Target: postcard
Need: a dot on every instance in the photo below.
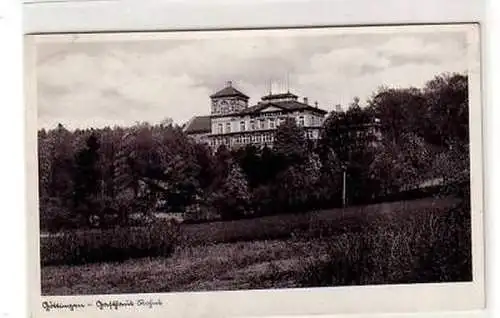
(265, 172)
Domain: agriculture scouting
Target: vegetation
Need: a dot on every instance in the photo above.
(110, 245)
(402, 139)
(428, 247)
(400, 242)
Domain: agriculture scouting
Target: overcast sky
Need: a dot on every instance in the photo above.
(95, 84)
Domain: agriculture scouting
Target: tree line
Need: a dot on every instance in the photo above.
(403, 137)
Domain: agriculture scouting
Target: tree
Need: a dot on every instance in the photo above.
(223, 163)
(45, 161)
(182, 177)
(270, 165)
(330, 181)
(400, 111)
(290, 142)
(232, 198)
(249, 159)
(447, 106)
(87, 176)
(453, 166)
(109, 151)
(125, 180)
(206, 163)
(348, 134)
(62, 164)
(349, 138)
(296, 188)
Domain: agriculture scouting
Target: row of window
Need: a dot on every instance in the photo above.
(254, 138)
(316, 121)
(243, 140)
(257, 124)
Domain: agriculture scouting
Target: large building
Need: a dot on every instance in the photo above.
(232, 122)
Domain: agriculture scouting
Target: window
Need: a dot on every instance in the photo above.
(301, 121)
(228, 127)
(220, 129)
(252, 125)
(262, 124)
(242, 126)
(271, 123)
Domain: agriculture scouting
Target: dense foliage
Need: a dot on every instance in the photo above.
(402, 138)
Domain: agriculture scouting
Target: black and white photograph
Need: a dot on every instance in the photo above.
(179, 162)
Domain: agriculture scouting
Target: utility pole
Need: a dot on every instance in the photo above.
(344, 185)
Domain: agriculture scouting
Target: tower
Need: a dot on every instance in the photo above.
(228, 100)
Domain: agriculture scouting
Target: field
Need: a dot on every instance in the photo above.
(424, 240)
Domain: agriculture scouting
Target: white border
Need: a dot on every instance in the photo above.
(319, 301)
(12, 229)
(491, 93)
(147, 15)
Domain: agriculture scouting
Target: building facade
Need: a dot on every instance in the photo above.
(232, 122)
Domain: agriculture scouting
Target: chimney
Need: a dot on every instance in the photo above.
(306, 101)
(229, 84)
(316, 104)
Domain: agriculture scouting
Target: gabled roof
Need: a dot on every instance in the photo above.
(285, 105)
(229, 91)
(198, 125)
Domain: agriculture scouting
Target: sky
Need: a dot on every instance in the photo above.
(82, 83)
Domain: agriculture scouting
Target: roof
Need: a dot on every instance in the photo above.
(198, 125)
(279, 96)
(289, 105)
(229, 91)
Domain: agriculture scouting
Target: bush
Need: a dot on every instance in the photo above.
(116, 244)
(422, 248)
(54, 216)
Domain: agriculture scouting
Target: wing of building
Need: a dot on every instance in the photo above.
(232, 122)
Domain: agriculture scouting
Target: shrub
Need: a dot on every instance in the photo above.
(55, 216)
(421, 248)
(107, 245)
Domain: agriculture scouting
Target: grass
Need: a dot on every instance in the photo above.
(117, 244)
(432, 247)
(420, 241)
(317, 223)
(211, 267)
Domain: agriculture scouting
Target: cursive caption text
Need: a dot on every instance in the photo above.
(102, 305)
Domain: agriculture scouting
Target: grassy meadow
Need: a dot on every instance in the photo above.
(426, 240)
